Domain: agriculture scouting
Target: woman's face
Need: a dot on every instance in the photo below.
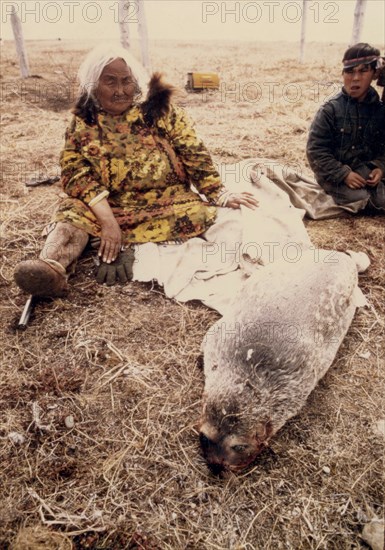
(116, 87)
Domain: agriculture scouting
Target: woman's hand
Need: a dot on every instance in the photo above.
(236, 200)
(111, 234)
(110, 241)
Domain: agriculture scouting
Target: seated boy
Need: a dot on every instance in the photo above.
(346, 145)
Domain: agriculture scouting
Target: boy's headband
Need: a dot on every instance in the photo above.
(360, 61)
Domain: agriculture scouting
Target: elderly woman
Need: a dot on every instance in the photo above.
(127, 168)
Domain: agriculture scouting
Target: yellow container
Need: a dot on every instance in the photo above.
(202, 81)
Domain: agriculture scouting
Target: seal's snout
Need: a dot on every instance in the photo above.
(204, 442)
(233, 453)
(210, 449)
(216, 469)
(211, 453)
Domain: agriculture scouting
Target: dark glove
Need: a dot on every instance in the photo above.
(118, 270)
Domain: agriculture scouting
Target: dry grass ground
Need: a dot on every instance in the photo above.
(103, 389)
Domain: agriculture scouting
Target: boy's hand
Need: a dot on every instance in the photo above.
(355, 181)
(374, 177)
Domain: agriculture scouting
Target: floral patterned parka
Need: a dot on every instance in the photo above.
(145, 170)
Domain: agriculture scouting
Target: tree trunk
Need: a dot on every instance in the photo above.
(19, 41)
(359, 13)
(143, 35)
(123, 24)
(303, 32)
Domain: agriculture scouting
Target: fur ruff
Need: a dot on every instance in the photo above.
(157, 103)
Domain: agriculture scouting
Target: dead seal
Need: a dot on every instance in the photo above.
(265, 356)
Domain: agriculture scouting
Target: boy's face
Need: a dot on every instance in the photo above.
(357, 81)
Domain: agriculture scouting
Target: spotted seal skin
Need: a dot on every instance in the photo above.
(265, 356)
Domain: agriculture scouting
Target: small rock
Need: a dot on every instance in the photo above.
(373, 534)
(326, 470)
(361, 516)
(364, 355)
(379, 427)
(69, 422)
(16, 438)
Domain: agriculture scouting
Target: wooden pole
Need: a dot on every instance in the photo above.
(303, 32)
(19, 41)
(359, 13)
(123, 24)
(142, 27)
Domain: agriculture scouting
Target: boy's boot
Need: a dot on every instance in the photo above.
(47, 276)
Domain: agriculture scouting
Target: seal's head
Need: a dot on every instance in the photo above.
(229, 439)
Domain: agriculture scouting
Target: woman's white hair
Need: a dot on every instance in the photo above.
(94, 63)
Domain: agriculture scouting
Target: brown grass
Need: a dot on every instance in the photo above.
(123, 361)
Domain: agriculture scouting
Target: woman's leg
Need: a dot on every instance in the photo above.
(47, 276)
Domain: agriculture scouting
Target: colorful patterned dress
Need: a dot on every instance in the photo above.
(145, 172)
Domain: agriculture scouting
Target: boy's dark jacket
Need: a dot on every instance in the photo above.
(346, 135)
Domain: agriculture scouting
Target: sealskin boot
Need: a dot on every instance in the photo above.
(47, 276)
(44, 278)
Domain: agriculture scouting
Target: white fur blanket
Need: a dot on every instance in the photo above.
(304, 192)
(212, 268)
